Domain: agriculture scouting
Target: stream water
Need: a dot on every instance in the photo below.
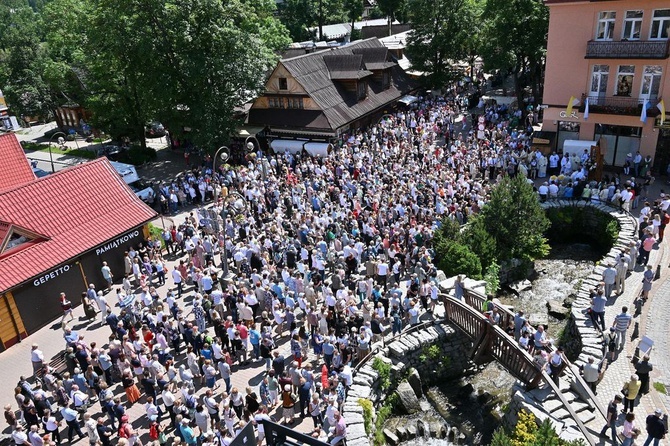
(558, 277)
(469, 408)
(474, 405)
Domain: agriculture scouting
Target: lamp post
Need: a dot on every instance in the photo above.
(51, 158)
(237, 203)
(224, 156)
(251, 147)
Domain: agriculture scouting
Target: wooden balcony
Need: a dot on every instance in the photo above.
(618, 105)
(627, 49)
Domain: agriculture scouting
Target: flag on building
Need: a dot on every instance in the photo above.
(586, 109)
(643, 116)
(661, 107)
(572, 102)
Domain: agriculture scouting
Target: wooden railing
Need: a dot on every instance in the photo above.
(476, 300)
(493, 341)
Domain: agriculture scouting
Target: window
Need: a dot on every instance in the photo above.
(605, 25)
(385, 80)
(283, 83)
(599, 79)
(660, 24)
(621, 140)
(295, 103)
(632, 25)
(624, 80)
(651, 82)
(362, 89)
(276, 102)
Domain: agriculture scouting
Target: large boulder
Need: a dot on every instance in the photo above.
(414, 380)
(408, 399)
(557, 310)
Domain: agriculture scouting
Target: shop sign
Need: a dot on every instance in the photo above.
(118, 242)
(51, 275)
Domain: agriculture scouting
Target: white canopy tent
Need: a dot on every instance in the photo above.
(287, 145)
(320, 149)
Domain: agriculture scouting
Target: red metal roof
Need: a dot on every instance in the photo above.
(77, 208)
(14, 167)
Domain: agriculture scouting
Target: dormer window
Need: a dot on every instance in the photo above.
(283, 83)
(362, 90)
(386, 80)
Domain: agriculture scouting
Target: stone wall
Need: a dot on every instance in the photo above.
(580, 325)
(405, 353)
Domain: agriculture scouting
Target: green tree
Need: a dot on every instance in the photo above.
(515, 41)
(298, 15)
(476, 236)
(391, 9)
(515, 220)
(354, 9)
(188, 63)
(441, 36)
(22, 59)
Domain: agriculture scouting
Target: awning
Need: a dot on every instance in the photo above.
(408, 99)
(321, 149)
(286, 145)
(248, 130)
(323, 134)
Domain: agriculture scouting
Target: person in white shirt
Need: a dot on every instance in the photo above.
(37, 358)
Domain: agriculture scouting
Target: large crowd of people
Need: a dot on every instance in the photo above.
(326, 256)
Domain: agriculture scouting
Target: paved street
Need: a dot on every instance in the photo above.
(15, 361)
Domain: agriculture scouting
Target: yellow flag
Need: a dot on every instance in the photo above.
(661, 107)
(568, 110)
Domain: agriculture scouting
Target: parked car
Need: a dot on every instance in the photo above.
(154, 130)
(111, 151)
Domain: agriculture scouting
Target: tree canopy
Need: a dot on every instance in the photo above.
(187, 63)
(441, 36)
(515, 220)
(516, 40)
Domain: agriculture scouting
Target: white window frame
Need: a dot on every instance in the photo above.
(635, 22)
(649, 95)
(661, 20)
(607, 23)
(598, 94)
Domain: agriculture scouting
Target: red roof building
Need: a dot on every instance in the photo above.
(49, 231)
(14, 168)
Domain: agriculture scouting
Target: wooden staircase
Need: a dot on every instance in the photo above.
(571, 406)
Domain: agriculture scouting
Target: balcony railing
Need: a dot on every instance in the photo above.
(627, 49)
(618, 105)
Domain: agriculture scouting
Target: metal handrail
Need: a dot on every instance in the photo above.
(547, 379)
(385, 341)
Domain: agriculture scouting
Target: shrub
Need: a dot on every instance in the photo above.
(138, 156)
(454, 258)
(477, 238)
(528, 433)
(366, 404)
(492, 278)
(383, 414)
(384, 371)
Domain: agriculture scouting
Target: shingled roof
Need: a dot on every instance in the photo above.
(340, 107)
(66, 214)
(14, 167)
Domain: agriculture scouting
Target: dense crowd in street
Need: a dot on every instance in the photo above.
(328, 255)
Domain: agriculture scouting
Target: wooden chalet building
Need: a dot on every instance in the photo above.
(323, 94)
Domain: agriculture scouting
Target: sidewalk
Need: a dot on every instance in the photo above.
(622, 368)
